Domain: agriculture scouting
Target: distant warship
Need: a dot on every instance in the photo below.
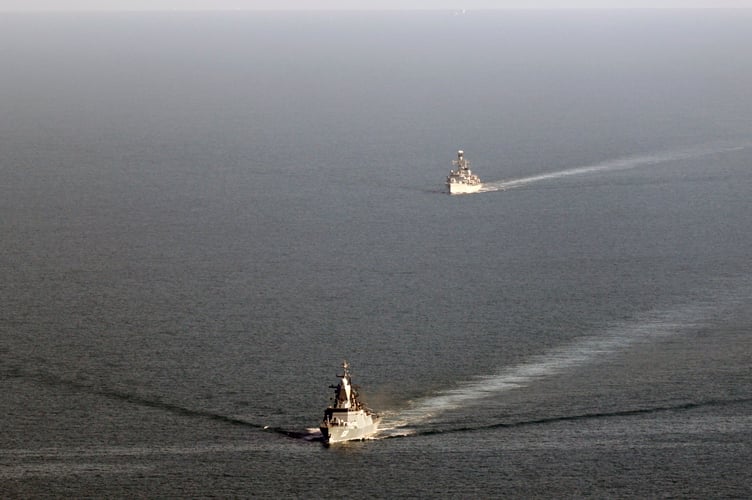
(347, 419)
(462, 180)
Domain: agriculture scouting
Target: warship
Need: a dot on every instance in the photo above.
(462, 180)
(347, 419)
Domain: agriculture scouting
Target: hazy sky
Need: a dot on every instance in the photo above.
(67, 5)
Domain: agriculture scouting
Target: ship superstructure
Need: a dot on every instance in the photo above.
(347, 419)
(462, 180)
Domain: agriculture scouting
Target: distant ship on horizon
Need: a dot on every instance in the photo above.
(462, 180)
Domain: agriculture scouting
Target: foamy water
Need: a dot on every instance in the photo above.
(613, 165)
(589, 350)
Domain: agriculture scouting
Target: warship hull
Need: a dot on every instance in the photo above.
(349, 426)
(462, 188)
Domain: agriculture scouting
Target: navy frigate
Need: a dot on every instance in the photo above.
(347, 419)
(462, 180)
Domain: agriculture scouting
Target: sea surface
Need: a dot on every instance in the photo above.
(202, 215)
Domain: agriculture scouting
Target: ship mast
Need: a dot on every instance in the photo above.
(344, 392)
(461, 162)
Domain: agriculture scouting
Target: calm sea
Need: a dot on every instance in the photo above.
(202, 215)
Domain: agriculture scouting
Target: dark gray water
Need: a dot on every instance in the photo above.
(201, 215)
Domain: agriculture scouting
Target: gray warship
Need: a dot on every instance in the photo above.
(462, 180)
(347, 419)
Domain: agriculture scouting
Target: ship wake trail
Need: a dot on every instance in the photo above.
(41, 376)
(595, 415)
(646, 328)
(625, 163)
(310, 434)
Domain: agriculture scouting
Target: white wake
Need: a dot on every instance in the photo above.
(624, 163)
(582, 352)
